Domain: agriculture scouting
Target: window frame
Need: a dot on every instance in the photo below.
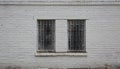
(84, 32)
(38, 37)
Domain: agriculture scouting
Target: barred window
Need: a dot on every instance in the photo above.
(46, 35)
(76, 35)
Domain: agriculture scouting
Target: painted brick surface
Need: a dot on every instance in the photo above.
(59, 0)
(18, 35)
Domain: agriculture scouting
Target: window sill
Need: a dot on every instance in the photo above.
(60, 54)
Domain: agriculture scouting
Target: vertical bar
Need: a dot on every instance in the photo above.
(80, 28)
(82, 35)
(43, 35)
(70, 26)
(40, 31)
(69, 38)
(53, 34)
(73, 35)
(49, 34)
(76, 36)
(39, 34)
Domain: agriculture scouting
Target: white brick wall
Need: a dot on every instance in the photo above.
(59, 0)
(61, 36)
(18, 35)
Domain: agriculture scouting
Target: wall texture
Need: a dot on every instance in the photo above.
(18, 35)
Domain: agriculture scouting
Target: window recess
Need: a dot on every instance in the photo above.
(76, 36)
(46, 35)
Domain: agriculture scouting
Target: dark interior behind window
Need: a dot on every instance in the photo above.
(76, 35)
(46, 40)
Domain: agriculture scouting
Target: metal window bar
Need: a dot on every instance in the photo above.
(76, 35)
(46, 39)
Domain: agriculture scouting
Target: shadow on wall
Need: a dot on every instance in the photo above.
(105, 67)
(13, 67)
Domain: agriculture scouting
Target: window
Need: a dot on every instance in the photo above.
(76, 35)
(61, 37)
(46, 35)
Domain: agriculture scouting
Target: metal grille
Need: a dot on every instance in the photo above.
(76, 35)
(46, 29)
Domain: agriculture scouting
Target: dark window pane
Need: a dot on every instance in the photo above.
(46, 29)
(76, 29)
